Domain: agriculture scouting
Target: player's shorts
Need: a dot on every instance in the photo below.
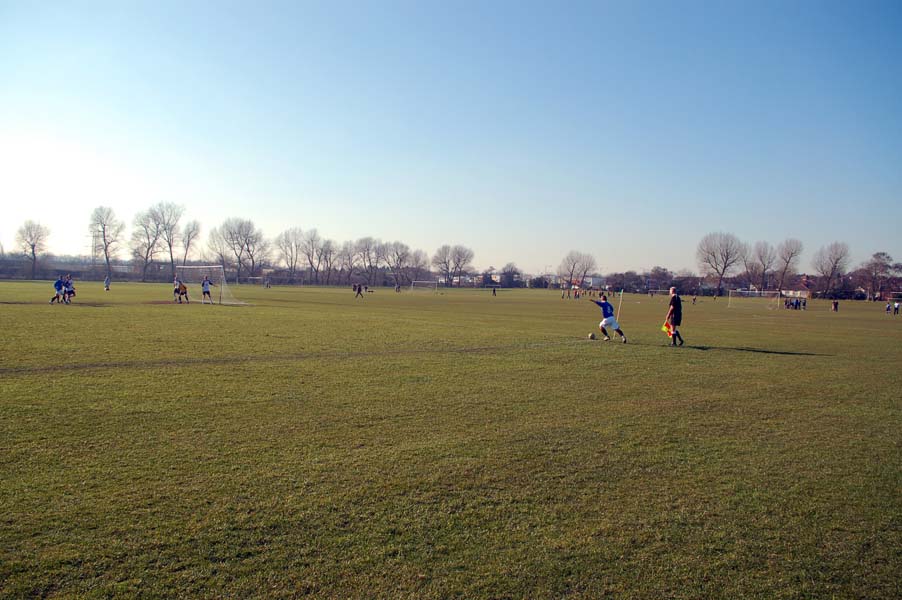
(676, 320)
(609, 322)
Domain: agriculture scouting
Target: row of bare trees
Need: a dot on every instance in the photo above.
(720, 254)
(158, 236)
(158, 232)
(237, 244)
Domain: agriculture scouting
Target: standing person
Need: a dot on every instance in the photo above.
(68, 290)
(608, 320)
(896, 307)
(205, 286)
(675, 317)
(58, 288)
(359, 291)
(106, 283)
(176, 284)
(494, 291)
(183, 292)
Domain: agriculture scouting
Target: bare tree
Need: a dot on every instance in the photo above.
(750, 264)
(718, 254)
(397, 257)
(877, 270)
(311, 247)
(257, 249)
(32, 239)
(585, 265)
(419, 265)
(575, 267)
(461, 257)
(290, 245)
(189, 235)
(787, 262)
(328, 255)
(106, 231)
(441, 260)
(220, 248)
(510, 274)
(765, 257)
(236, 234)
(145, 241)
(368, 252)
(830, 262)
(347, 259)
(167, 216)
(568, 268)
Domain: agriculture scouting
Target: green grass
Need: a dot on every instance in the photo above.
(438, 446)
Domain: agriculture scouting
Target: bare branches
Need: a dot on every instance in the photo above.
(145, 241)
(576, 266)
(461, 256)
(830, 262)
(441, 260)
(787, 261)
(106, 230)
(167, 216)
(32, 240)
(290, 244)
(718, 254)
(189, 234)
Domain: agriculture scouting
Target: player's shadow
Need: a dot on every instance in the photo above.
(757, 350)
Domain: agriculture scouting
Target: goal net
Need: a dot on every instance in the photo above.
(431, 286)
(193, 275)
(769, 299)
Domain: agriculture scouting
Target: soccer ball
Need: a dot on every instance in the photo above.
(592, 336)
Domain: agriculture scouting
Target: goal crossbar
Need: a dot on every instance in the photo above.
(424, 285)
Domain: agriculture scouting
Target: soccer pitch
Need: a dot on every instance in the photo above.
(422, 445)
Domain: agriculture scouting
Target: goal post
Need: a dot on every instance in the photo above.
(424, 285)
(194, 275)
(767, 298)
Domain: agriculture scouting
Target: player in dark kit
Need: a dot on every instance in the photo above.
(675, 317)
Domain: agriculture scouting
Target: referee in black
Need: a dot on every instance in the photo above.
(675, 317)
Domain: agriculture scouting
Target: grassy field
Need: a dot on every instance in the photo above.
(453, 445)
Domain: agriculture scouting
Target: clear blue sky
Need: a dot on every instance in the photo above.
(523, 130)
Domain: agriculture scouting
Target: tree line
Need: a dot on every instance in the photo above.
(161, 237)
(723, 256)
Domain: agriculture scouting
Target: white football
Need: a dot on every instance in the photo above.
(592, 336)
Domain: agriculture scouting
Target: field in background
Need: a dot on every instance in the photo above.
(444, 445)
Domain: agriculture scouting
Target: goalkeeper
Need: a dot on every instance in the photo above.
(608, 320)
(205, 286)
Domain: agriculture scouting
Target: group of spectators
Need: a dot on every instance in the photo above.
(795, 303)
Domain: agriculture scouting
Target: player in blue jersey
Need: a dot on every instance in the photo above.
(608, 320)
(68, 290)
(58, 288)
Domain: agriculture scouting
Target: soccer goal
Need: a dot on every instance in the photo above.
(194, 275)
(424, 285)
(769, 299)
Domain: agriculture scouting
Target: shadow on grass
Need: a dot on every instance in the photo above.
(755, 350)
